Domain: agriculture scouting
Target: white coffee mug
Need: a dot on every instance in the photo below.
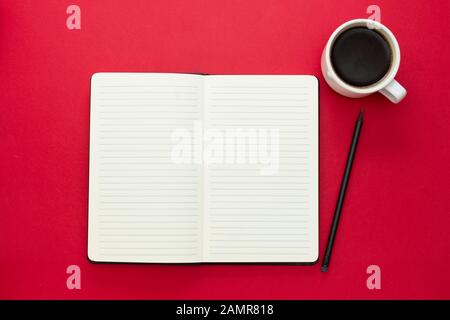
(387, 86)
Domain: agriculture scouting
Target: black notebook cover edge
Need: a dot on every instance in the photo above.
(214, 263)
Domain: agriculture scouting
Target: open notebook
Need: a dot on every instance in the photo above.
(157, 195)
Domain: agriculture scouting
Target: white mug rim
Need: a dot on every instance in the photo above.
(389, 36)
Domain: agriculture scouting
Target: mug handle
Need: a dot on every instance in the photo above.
(394, 91)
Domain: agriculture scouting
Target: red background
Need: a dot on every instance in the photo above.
(397, 213)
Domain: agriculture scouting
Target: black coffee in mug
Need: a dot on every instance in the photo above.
(361, 56)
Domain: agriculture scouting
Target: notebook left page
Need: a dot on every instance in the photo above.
(144, 206)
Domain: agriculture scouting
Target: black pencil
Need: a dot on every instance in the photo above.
(340, 200)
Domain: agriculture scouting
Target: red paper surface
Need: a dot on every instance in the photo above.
(397, 210)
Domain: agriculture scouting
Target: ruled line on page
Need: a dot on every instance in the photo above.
(262, 87)
(147, 92)
(266, 234)
(148, 98)
(260, 93)
(147, 241)
(261, 254)
(146, 86)
(259, 106)
(178, 234)
(157, 257)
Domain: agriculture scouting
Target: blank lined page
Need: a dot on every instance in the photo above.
(255, 211)
(142, 206)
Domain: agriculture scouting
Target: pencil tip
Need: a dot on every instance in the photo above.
(361, 114)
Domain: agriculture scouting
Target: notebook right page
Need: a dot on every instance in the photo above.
(261, 172)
